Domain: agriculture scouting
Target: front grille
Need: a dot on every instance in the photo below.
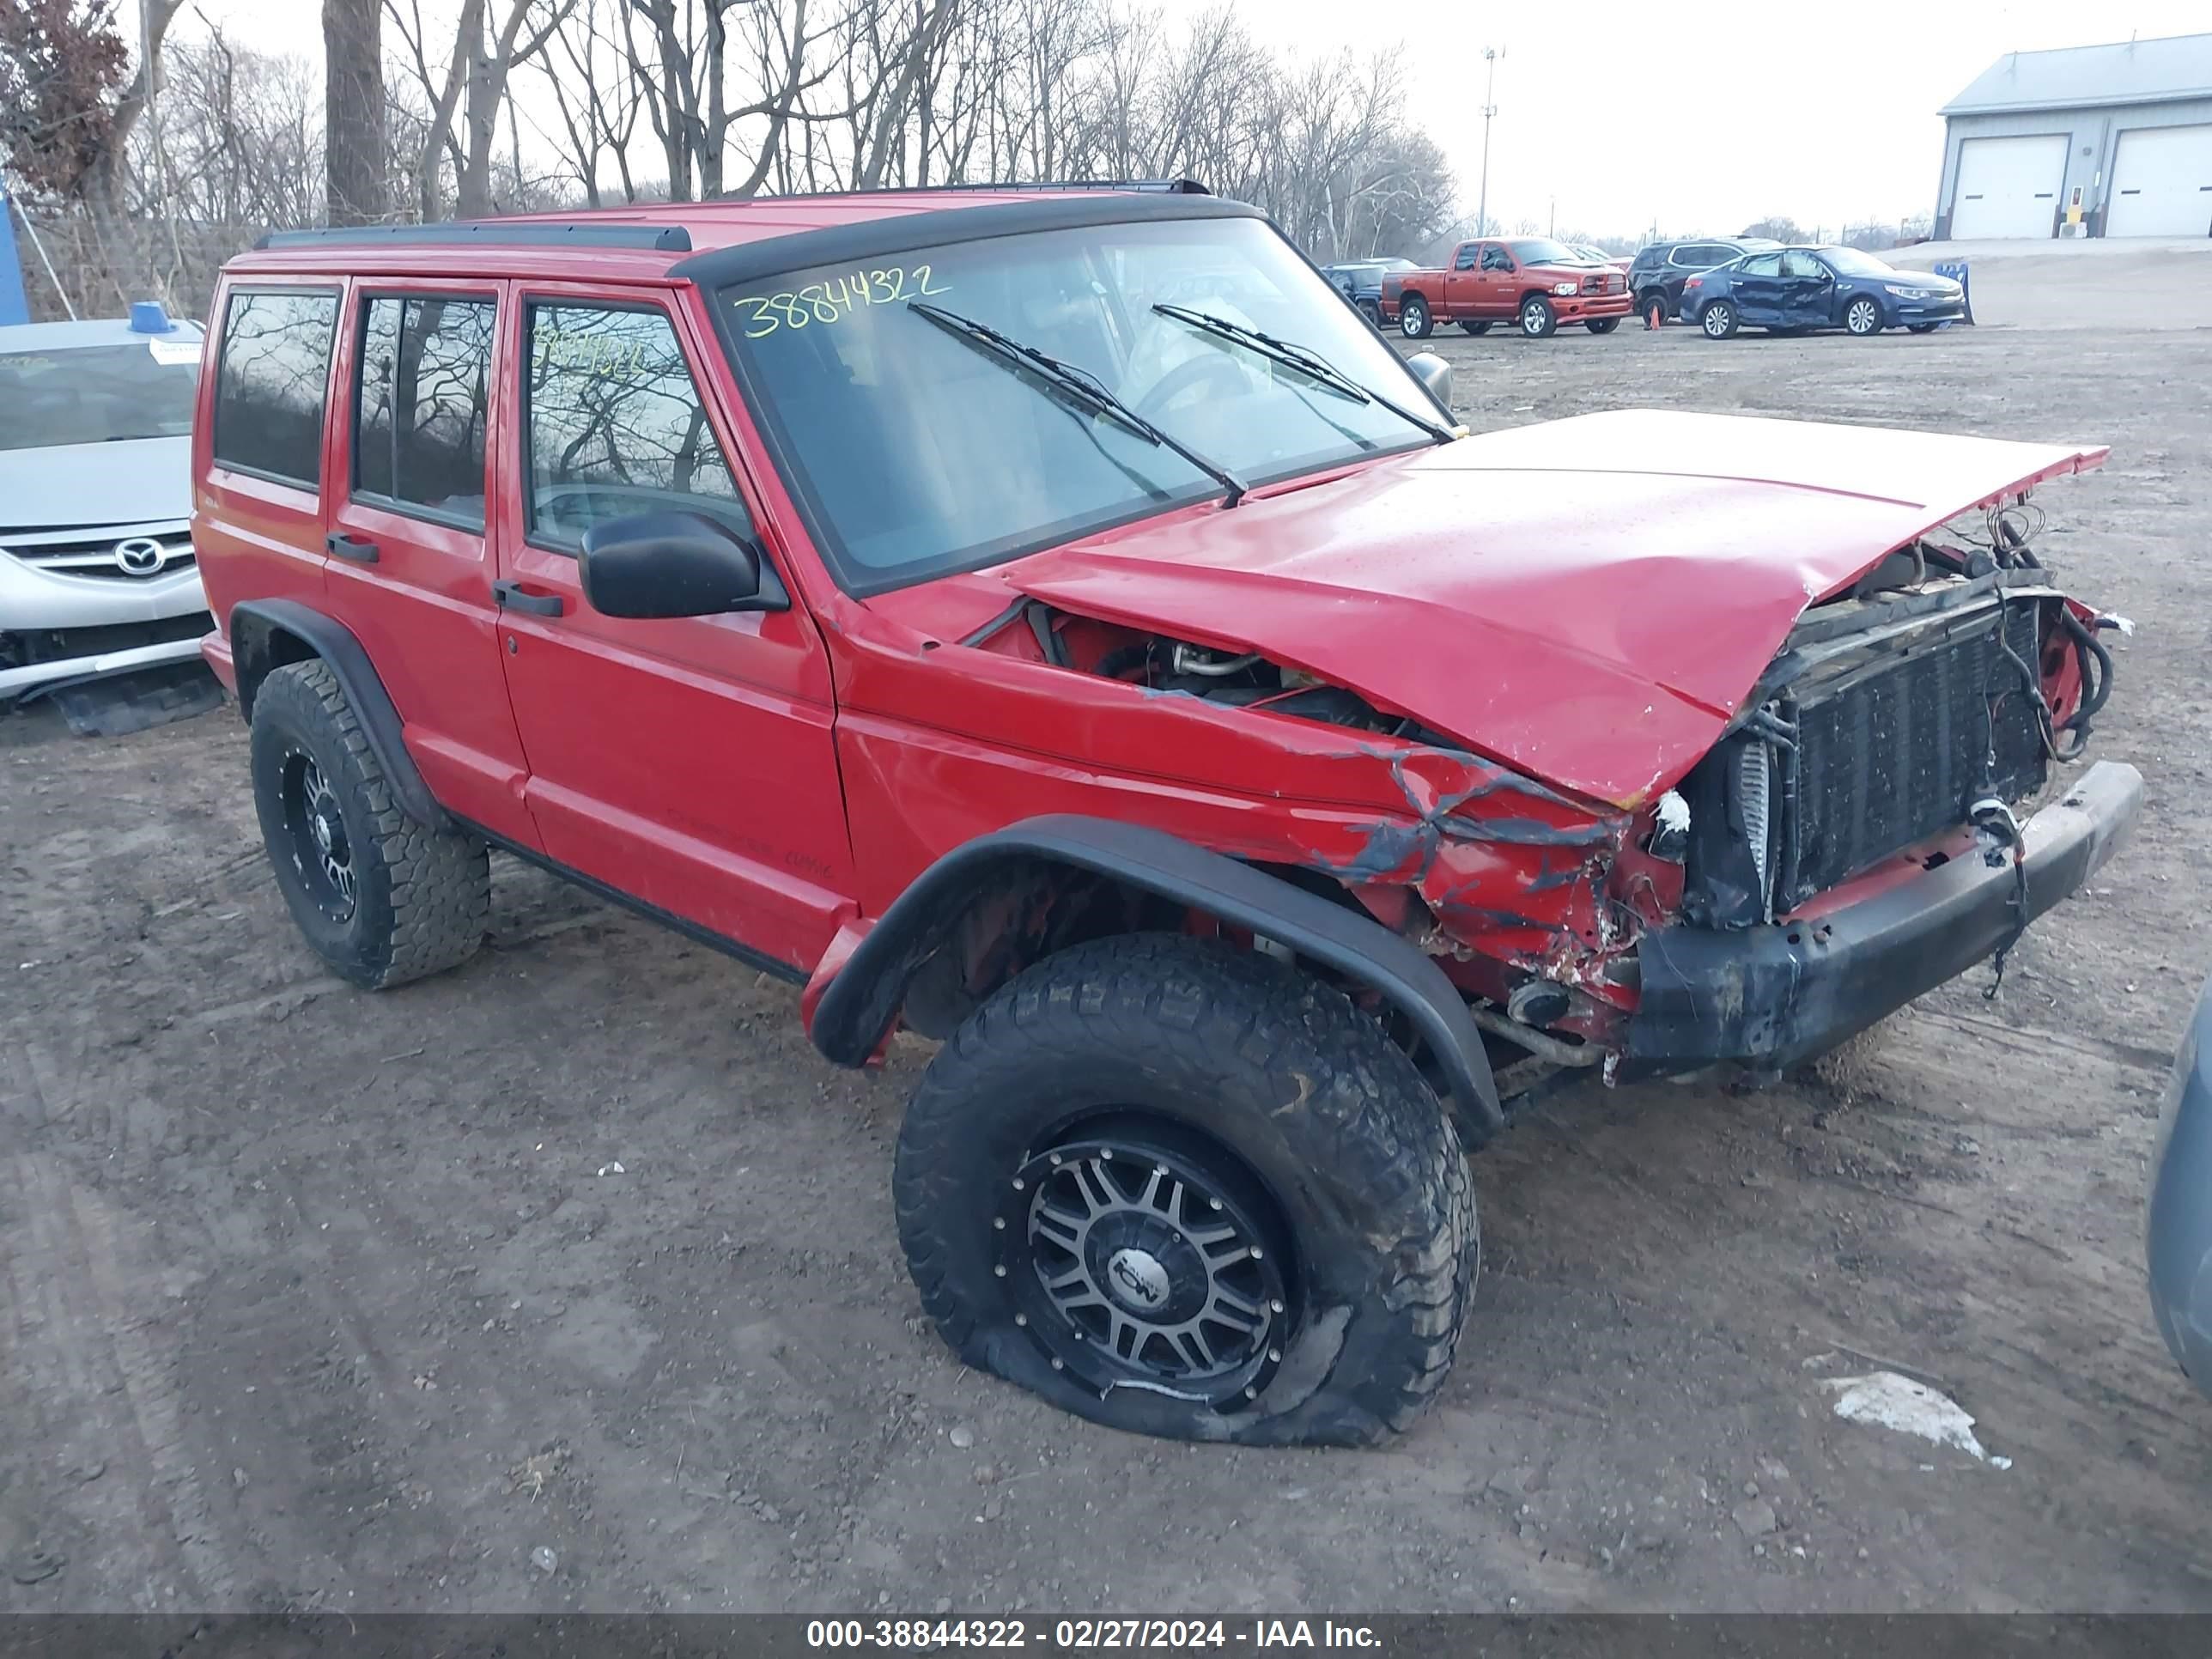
(1888, 755)
(1897, 755)
(1597, 284)
(28, 648)
(95, 557)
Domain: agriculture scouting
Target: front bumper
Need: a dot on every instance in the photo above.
(2180, 1225)
(1774, 996)
(1905, 314)
(56, 626)
(1587, 307)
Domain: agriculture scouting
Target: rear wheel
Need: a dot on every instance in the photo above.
(1718, 319)
(1371, 312)
(1413, 317)
(1474, 328)
(1653, 309)
(1862, 316)
(1602, 324)
(382, 898)
(1186, 1190)
(1539, 320)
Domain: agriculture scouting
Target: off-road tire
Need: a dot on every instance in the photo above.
(1415, 320)
(421, 895)
(1266, 1063)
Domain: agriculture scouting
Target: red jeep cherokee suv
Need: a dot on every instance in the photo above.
(1056, 621)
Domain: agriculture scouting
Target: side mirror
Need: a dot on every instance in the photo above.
(674, 564)
(1434, 373)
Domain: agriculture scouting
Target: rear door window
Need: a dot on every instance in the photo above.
(420, 406)
(615, 425)
(270, 380)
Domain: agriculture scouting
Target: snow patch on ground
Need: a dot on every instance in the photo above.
(1891, 1401)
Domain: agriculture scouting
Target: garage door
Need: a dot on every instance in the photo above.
(2009, 187)
(2162, 183)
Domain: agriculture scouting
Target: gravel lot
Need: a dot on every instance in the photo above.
(322, 1301)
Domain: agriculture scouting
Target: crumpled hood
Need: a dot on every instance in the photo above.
(137, 481)
(1588, 600)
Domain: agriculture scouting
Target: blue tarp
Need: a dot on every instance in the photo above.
(14, 307)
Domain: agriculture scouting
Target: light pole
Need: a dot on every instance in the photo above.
(1490, 57)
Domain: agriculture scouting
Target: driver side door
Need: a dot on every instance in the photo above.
(687, 762)
(1461, 287)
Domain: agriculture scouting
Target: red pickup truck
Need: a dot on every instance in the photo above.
(1531, 281)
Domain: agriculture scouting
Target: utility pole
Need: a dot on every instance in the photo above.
(1490, 56)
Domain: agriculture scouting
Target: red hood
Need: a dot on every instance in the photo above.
(1587, 600)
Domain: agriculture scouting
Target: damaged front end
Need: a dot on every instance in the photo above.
(1723, 915)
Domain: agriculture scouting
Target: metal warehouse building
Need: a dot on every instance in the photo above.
(2091, 141)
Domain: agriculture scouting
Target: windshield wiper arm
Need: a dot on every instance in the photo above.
(1080, 386)
(1305, 359)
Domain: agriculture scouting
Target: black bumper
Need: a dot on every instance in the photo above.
(1774, 996)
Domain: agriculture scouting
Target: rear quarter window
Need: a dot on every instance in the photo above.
(271, 376)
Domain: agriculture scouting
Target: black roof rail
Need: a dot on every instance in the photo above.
(1157, 186)
(659, 239)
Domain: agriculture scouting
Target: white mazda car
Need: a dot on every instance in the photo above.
(96, 571)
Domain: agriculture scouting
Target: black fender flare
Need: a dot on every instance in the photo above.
(254, 629)
(857, 1007)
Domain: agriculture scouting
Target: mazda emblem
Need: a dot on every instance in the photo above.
(140, 555)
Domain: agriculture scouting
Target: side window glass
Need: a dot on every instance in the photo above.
(419, 409)
(271, 377)
(1767, 264)
(1803, 265)
(1464, 261)
(1496, 258)
(616, 426)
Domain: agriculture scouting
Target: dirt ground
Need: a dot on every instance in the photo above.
(318, 1300)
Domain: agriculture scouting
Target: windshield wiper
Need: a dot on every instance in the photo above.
(1078, 385)
(1305, 359)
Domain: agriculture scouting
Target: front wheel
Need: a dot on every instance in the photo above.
(1653, 310)
(1186, 1190)
(1539, 319)
(1863, 317)
(1372, 312)
(1602, 324)
(1413, 317)
(1718, 320)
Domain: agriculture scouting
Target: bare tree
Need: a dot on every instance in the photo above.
(353, 106)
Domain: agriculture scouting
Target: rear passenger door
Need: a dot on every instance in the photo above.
(1756, 286)
(689, 763)
(409, 568)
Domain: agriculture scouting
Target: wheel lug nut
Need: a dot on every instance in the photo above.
(1018, 1184)
(998, 1222)
(1274, 1356)
(1021, 1319)
(1255, 1253)
(1056, 1160)
(1251, 1393)
(1274, 1307)
(1215, 1202)
(999, 1270)
(1056, 1365)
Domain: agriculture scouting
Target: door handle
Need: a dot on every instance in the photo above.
(511, 597)
(359, 549)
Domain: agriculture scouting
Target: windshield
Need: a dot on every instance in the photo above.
(97, 394)
(1852, 263)
(1542, 251)
(916, 449)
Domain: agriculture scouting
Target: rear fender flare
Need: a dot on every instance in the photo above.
(267, 634)
(857, 1007)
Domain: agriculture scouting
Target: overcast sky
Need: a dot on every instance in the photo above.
(1617, 116)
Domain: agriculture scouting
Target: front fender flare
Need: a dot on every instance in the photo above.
(256, 626)
(857, 1007)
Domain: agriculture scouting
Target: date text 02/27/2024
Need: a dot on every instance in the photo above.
(1084, 1635)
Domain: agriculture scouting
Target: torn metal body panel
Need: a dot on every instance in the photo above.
(1535, 701)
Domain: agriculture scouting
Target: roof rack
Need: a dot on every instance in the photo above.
(1157, 186)
(659, 239)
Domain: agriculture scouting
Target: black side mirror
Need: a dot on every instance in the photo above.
(675, 564)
